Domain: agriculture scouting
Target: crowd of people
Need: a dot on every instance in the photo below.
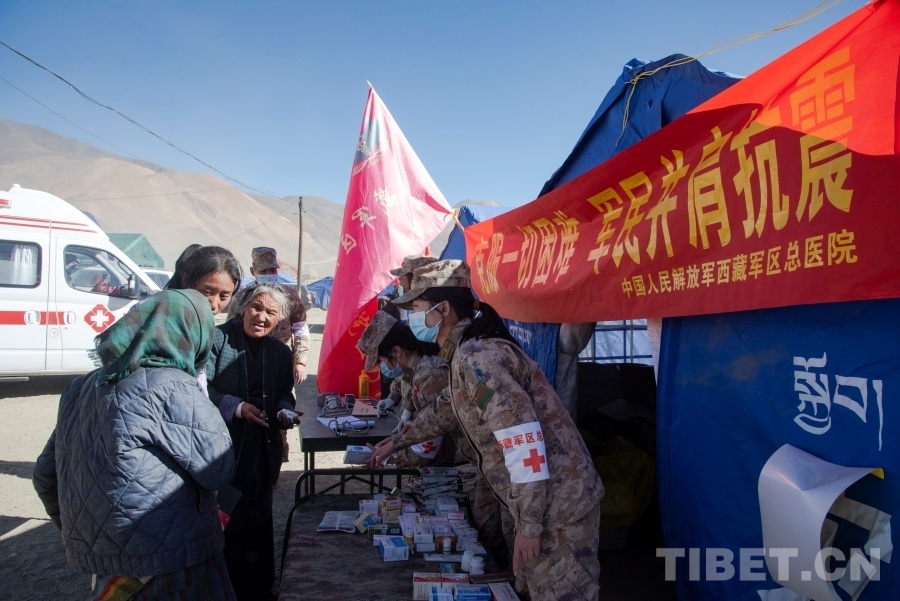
(179, 410)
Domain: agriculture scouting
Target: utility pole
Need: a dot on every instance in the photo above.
(300, 245)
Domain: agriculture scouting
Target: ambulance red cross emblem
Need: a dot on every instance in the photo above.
(99, 318)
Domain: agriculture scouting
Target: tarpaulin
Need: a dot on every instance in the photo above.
(775, 192)
(393, 209)
(733, 389)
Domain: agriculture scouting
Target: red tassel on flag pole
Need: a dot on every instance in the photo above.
(393, 209)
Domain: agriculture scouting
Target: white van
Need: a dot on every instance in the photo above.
(62, 282)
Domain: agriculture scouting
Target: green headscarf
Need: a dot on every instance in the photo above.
(172, 328)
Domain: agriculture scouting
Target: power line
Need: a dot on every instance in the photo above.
(68, 120)
(129, 119)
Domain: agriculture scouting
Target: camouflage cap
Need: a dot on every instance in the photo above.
(372, 336)
(411, 263)
(264, 258)
(450, 273)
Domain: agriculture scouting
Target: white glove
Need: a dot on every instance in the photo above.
(383, 406)
(404, 417)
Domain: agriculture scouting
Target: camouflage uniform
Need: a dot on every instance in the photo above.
(422, 381)
(531, 455)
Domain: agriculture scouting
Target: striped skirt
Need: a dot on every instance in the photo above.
(199, 582)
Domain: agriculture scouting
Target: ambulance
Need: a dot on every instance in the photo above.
(62, 282)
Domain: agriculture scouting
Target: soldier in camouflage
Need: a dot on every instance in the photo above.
(526, 445)
(422, 375)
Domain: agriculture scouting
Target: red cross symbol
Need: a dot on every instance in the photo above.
(428, 447)
(534, 461)
(99, 318)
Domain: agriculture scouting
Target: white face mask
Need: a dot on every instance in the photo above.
(269, 278)
(400, 290)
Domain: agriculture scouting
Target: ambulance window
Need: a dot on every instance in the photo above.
(20, 264)
(95, 270)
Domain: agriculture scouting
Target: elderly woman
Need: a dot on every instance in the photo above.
(251, 381)
(129, 472)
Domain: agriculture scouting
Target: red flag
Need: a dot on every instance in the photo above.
(393, 209)
(781, 190)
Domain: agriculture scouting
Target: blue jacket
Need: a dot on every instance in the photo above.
(129, 473)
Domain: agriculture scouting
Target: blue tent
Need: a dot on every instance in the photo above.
(661, 95)
(321, 291)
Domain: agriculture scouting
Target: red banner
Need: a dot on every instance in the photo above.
(393, 209)
(781, 190)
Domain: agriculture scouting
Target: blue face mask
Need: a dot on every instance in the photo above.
(419, 329)
(390, 373)
(264, 278)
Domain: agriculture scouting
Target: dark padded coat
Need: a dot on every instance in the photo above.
(129, 473)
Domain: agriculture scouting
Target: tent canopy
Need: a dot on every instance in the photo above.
(138, 249)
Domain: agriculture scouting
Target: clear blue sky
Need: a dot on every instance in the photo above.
(492, 95)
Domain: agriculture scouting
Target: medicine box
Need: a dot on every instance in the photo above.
(364, 521)
(425, 548)
(391, 504)
(422, 583)
(369, 506)
(503, 591)
(393, 548)
(423, 533)
(454, 579)
(384, 529)
(440, 594)
(472, 592)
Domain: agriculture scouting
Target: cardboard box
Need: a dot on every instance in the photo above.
(422, 583)
(393, 548)
(503, 591)
(391, 504)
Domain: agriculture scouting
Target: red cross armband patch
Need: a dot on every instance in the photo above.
(428, 449)
(524, 452)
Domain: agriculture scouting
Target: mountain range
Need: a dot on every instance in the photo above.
(174, 209)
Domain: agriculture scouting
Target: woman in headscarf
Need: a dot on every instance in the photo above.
(251, 381)
(129, 472)
(528, 448)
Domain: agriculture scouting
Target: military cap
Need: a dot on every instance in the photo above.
(264, 258)
(450, 273)
(411, 263)
(372, 336)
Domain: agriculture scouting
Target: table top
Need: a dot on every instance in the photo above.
(339, 565)
(316, 438)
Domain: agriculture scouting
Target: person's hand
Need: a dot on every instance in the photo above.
(404, 417)
(383, 406)
(299, 373)
(371, 463)
(525, 548)
(383, 450)
(252, 415)
(288, 418)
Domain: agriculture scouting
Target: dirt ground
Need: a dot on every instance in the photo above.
(32, 560)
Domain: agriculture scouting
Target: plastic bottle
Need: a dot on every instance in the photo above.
(476, 565)
(363, 385)
(448, 545)
(466, 564)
